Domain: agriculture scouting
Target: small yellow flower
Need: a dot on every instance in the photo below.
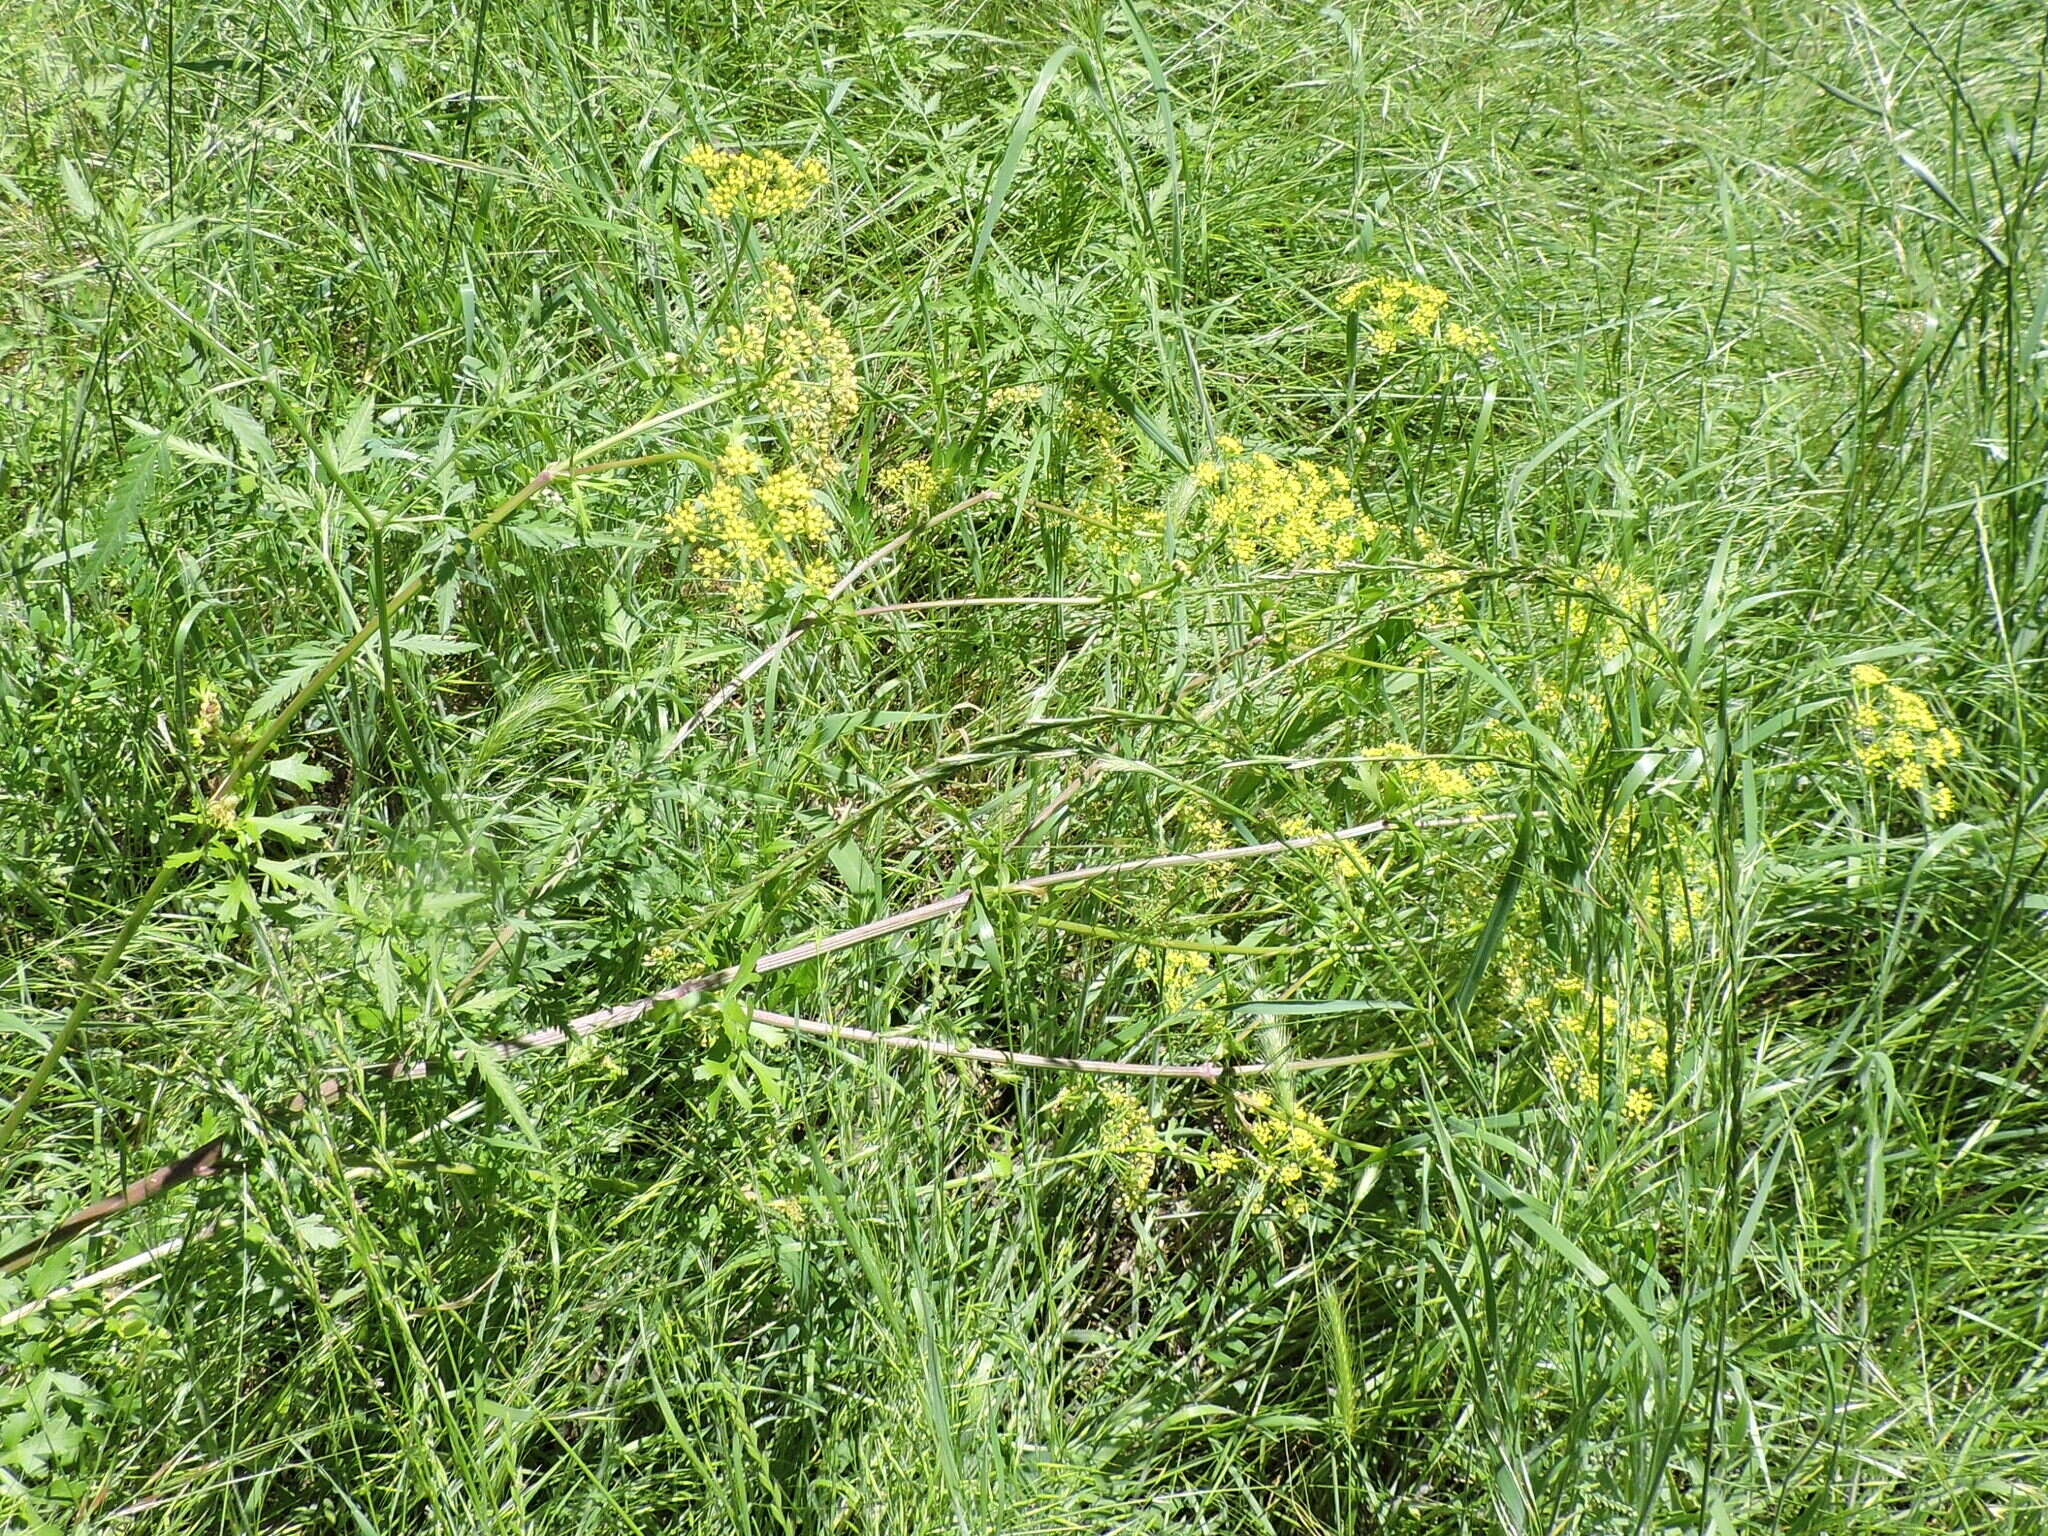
(797, 365)
(1131, 1140)
(1421, 777)
(1864, 675)
(1012, 395)
(913, 483)
(1290, 1151)
(1185, 976)
(207, 726)
(1621, 593)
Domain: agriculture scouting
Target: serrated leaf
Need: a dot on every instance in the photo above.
(495, 1078)
(432, 645)
(183, 447)
(296, 770)
(131, 494)
(76, 192)
(245, 429)
(349, 448)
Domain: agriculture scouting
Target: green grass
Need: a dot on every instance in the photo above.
(1702, 1186)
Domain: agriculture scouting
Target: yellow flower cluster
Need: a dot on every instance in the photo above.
(1098, 422)
(1397, 311)
(1289, 1152)
(1264, 510)
(1132, 1141)
(1899, 738)
(1619, 592)
(754, 530)
(209, 721)
(1185, 975)
(754, 184)
(800, 367)
(1679, 894)
(912, 484)
(1205, 830)
(1421, 777)
(1587, 1029)
(1095, 447)
(1012, 395)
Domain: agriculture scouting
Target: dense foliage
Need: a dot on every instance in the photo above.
(1587, 454)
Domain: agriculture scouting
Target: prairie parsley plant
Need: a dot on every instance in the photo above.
(757, 529)
(1592, 1030)
(1608, 611)
(1399, 774)
(1287, 1156)
(792, 359)
(1131, 1141)
(910, 486)
(1185, 978)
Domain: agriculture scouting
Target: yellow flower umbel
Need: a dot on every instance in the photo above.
(911, 485)
(754, 184)
(1290, 1152)
(1012, 395)
(1898, 738)
(1396, 312)
(754, 531)
(1266, 512)
(1131, 1141)
(1419, 778)
(798, 367)
(1591, 1030)
(1614, 606)
(1204, 828)
(1678, 897)
(1185, 978)
(1466, 338)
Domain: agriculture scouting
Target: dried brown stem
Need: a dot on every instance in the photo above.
(1201, 1071)
(208, 1160)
